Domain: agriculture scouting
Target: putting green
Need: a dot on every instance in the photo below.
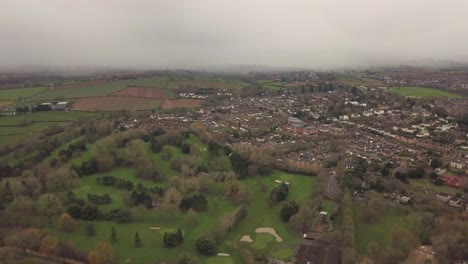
(262, 240)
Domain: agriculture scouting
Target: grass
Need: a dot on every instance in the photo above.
(15, 94)
(283, 254)
(426, 184)
(379, 231)
(262, 214)
(423, 92)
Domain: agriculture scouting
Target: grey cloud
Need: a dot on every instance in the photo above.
(297, 33)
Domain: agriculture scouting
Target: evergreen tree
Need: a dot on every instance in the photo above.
(180, 236)
(137, 240)
(113, 235)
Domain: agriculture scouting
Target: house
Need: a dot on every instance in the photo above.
(61, 106)
(456, 164)
(455, 202)
(443, 197)
(452, 181)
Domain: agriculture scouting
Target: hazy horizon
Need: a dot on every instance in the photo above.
(203, 33)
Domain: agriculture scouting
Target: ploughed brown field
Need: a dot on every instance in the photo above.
(4, 103)
(78, 84)
(141, 91)
(115, 103)
(181, 103)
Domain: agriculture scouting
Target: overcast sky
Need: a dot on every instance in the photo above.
(181, 33)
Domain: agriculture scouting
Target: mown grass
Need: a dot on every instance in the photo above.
(378, 231)
(423, 92)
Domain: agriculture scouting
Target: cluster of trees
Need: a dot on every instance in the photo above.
(416, 173)
(279, 193)
(196, 202)
(87, 167)
(90, 212)
(288, 210)
(67, 154)
(99, 199)
(173, 239)
(206, 246)
(39, 241)
(108, 180)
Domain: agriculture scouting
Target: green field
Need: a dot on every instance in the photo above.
(379, 231)
(423, 92)
(426, 184)
(15, 128)
(15, 94)
(100, 89)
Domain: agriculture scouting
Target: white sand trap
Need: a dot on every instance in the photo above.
(270, 231)
(247, 239)
(155, 228)
(287, 183)
(222, 255)
(278, 181)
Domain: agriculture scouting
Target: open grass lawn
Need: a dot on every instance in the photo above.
(423, 92)
(15, 94)
(378, 231)
(427, 184)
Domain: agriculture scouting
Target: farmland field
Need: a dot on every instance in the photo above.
(115, 104)
(15, 128)
(4, 103)
(181, 103)
(79, 84)
(423, 92)
(145, 92)
(203, 84)
(14, 94)
(93, 90)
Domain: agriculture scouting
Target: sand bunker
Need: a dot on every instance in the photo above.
(247, 239)
(155, 228)
(270, 231)
(222, 255)
(278, 181)
(287, 183)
